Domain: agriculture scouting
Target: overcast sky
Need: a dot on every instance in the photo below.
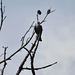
(58, 38)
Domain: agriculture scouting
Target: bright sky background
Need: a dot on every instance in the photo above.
(58, 35)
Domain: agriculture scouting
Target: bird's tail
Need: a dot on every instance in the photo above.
(40, 39)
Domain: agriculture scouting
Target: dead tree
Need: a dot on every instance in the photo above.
(30, 52)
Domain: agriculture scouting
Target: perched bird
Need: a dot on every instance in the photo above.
(38, 30)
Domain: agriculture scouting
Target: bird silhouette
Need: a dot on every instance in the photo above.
(38, 30)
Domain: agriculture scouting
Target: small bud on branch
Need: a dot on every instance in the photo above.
(39, 12)
(48, 11)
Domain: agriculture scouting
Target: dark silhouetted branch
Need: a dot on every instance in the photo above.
(22, 39)
(2, 71)
(2, 15)
(24, 60)
(32, 65)
(48, 12)
(32, 57)
(9, 58)
(40, 67)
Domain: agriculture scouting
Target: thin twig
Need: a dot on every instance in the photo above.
(22, 39)
(36, 47)
(40, 67)
(1, 54)
(46, 16)
(2, 71)
(37, 17)
(43, 19)
(2, 15)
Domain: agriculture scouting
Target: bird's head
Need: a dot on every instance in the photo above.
(38, 22)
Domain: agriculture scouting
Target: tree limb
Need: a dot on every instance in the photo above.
(22, 39)
(17, 50)
(32, 57)
(24, 60)
(40, 67)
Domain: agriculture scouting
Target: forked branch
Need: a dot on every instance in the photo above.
(2, 71)
(41, 67)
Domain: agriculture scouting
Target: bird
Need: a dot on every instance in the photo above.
(38, 30)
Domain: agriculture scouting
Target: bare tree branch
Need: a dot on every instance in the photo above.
(32, 65)
(2, 71)
(43, 19)
(18, 49)
(1, 54)
(40, 67)
(31, 51)
(22, 39)
(24, 60)
(32, 57)
(48, 12)
(2, 15)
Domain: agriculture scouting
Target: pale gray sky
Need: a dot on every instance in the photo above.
(58, 35)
